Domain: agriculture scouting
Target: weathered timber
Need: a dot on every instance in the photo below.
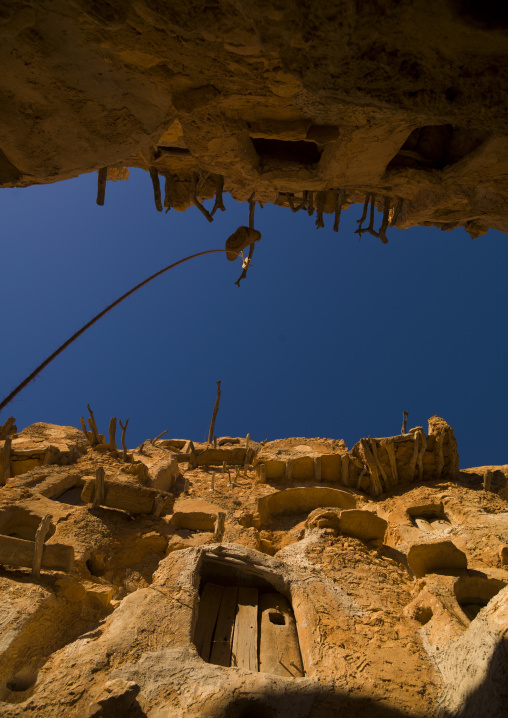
(101, 185)
(8, 428)
(214, 414)
(245, 638)
(111, 434)
(5, 466)
(40, 535)
(99, 493)
(19, 552)
(390, 450)
(209, 605)
(223, 637)
(127, 497)
(154, 176)
(124, 429)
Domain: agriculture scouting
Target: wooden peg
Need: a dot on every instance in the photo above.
(40, 535)
(99, 493)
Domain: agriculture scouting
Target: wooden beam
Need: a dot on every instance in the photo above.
(5, 466)
(245, 638)
(40, 535)
(224, 630)
(18, 552)
(208, 610)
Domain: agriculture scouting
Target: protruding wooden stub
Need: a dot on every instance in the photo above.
(214, 415)
(124, 429)
(212, 487)
(154, 176)
(8, 428)
(223, 469)
(214, 442)
(93, 427)
(219, 526)
(186, 487)
(5, 468)
(262, 474)
(487, 480)
(101, 185)
(40, 535)
(99, 492)
(317, 468)
(405, 415)
(112, 432)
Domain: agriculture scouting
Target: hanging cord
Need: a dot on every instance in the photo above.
(83, 329)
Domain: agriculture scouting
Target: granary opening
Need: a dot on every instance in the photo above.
(435, 147)
(243, 622)
(283, 151)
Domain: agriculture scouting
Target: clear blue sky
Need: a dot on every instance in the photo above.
(327, 336)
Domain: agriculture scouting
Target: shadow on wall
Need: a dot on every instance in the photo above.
(491, 697)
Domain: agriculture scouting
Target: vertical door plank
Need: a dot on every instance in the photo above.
(245, 640)
(208, 611)
(224, 630)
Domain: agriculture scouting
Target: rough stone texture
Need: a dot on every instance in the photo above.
(405, 101)
(381, 630)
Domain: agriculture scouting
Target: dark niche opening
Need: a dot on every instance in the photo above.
(435, 147)
(283, 151)
(71, 496)
(474, 592)
(243, 622)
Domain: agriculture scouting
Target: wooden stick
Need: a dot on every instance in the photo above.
(40, 535)
(203, 210)
(390, 450)
(214, 415)
(99, 492)
(161, 434)
(262, 474)
(223, 469)
(112, 432)
(192, 456)
(252, 207)
(421, 452)
(360, 477)
(84, 429)
(310, 209)
(5, 468)
(154, 176)
(93, 427)
(8, 428)
(487, 480)
(168, 190)
(124, 429)
(214, 442)
(340, 198)
(373, 470)
(212, 488)
(373, 447)
(384, 226)
(101, 185)
(364, 215)
(220, 526)
(321, 199)
(405, 415)
(219, 187)
(186, 487)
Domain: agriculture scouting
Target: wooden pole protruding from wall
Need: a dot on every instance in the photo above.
(214, 415)
(262, 474)
(220, 525)
(99, 492)
(8, 428)
(5, 467)
(93, 427)
(101, 185)
(487, 480)
(112, 432)
(124, 429)
(405, 415)
(40, 535)
(154, 176)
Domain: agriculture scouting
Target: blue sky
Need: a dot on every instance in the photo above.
(327, 336)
